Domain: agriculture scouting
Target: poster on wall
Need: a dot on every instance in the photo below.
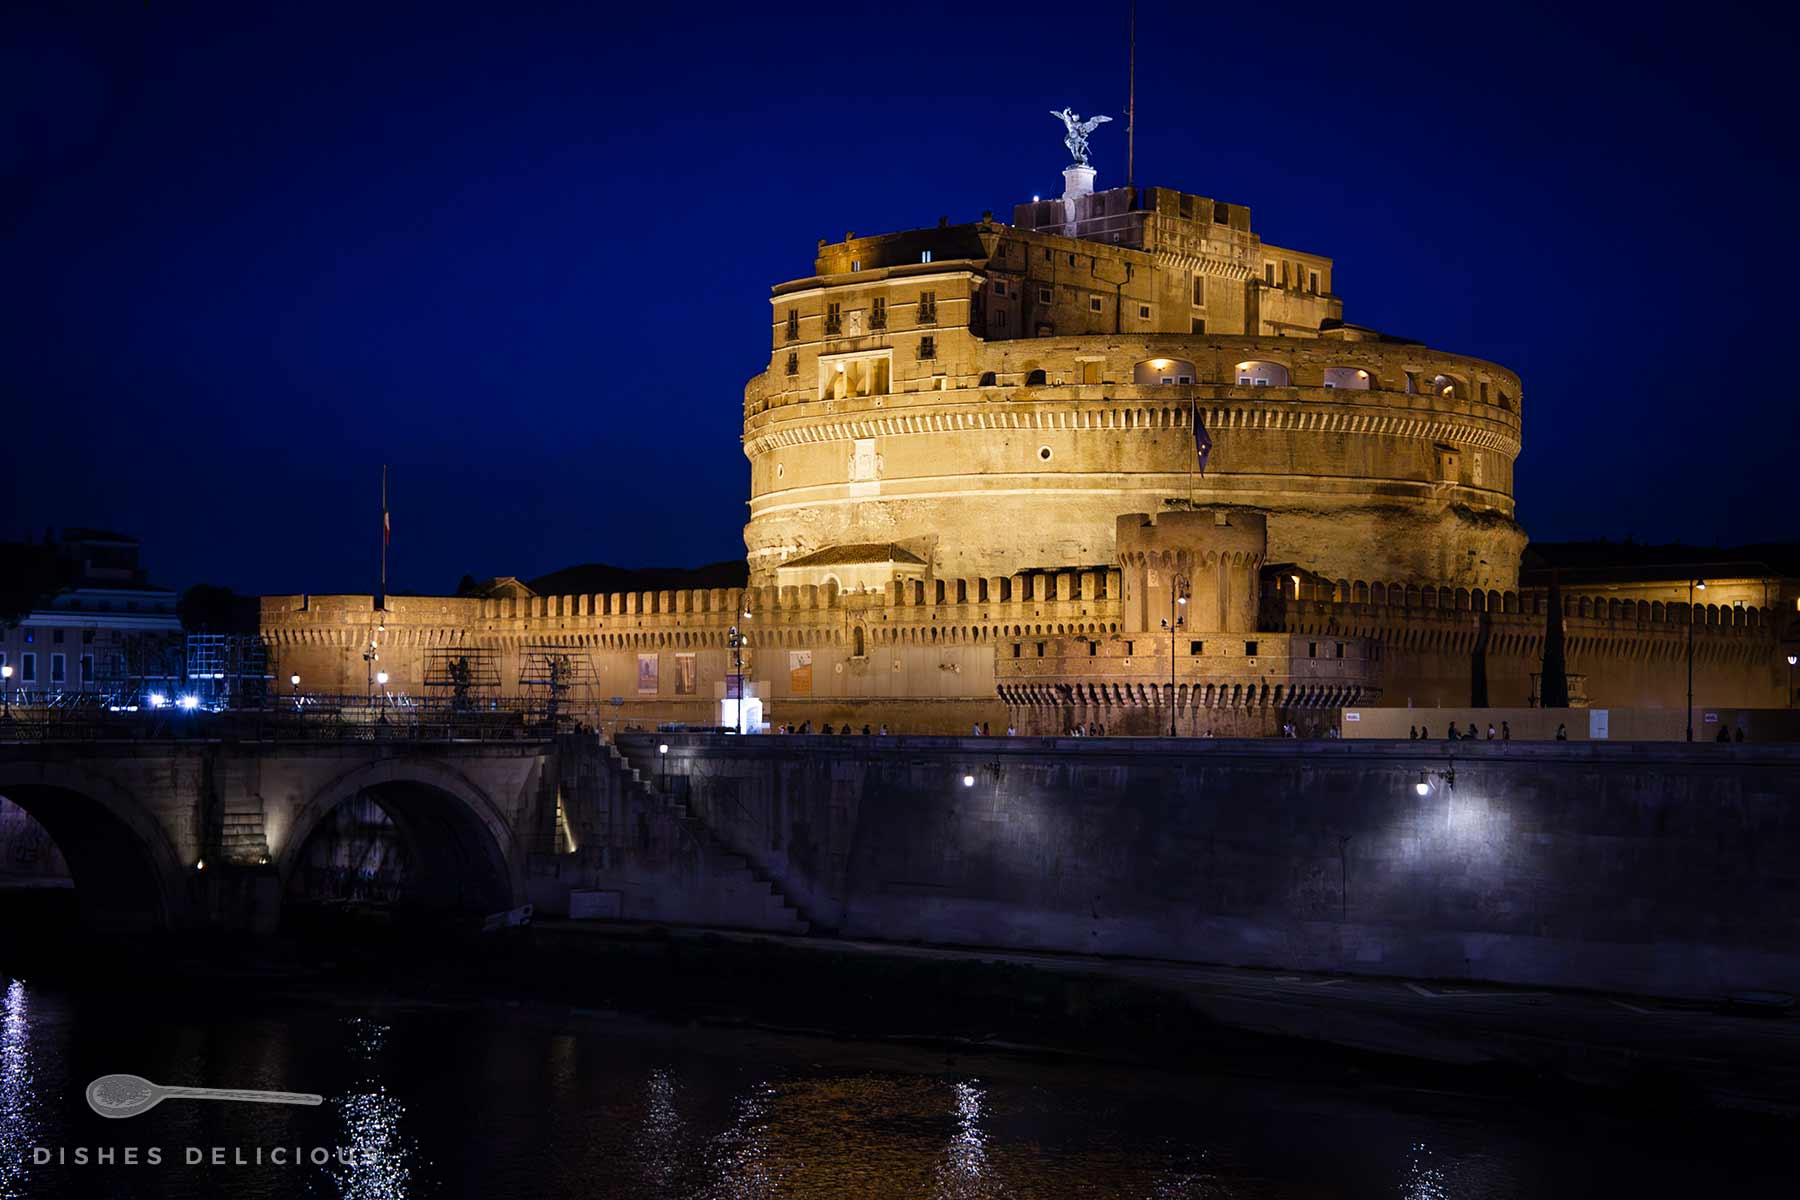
(685, 677)
(1598, 723)
(646, 673)
(799, 672)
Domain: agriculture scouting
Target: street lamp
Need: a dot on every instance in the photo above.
(1178, 587)
(294, 680)
(381, 679)
(737, 670)
(6, 689)
(1792, 659)
(662, 752)
(1692, 584)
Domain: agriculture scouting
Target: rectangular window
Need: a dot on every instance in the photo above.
(1199, 291)
(58, 669)
(878, 313)
(1259, 382)
(1198, 324)
(87, 637)
(56, 637)
(1016, 649)
(1196, 648)
(1312, 649)
(87, 668)
(28, 668)
(1250, 649)
(834, 318)
(1312, 282)
(997, 317)
(1040, 649)
(1128, 646)
(1090, 372)
(1484, 393)
(1044, 295)
(1093, 649)
(1268, 272)
(924, 256)
(1221, 213)
(1144, 311)
(793, 325)
(999, 287)
(856, 264)
(927, 348)
(1093, 304)
(793, 364)
(1340, 649)
(927, 308)
(30, 636)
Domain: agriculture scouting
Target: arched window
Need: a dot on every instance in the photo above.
(858, 645)
(1350, 378)
(1449, 387)
(1164, 370)
(1261, 373)
(1034, 379)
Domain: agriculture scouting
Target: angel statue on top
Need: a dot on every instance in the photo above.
(1077, 137)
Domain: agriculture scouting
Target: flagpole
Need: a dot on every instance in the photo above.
(1194, 429)
(384, 538)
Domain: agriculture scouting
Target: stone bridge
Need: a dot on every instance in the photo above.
(183, 834)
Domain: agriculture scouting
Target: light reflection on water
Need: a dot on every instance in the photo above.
(381, 1159)
(18, 1121)
(446, 1103)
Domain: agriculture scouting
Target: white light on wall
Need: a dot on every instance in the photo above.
(1422, 787)
(968, 781)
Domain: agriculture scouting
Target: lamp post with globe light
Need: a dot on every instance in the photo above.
(1692, 584)
(6, 690)
(1178, 590)
(1792, 660)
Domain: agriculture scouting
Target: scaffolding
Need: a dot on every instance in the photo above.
(227, 670)
(556, 678)
(462, 678)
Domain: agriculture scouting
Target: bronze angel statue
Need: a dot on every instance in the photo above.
(1078, 130)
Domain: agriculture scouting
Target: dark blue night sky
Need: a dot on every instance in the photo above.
(522, 254)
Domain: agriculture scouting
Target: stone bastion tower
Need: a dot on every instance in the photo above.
(981, 399)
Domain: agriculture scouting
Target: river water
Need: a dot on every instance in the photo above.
(503, 1101)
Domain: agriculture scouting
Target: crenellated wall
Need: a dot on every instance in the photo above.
(932, 655)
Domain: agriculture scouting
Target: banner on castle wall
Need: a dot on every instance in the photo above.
(685, 676)
(647, 673)
(799, 672)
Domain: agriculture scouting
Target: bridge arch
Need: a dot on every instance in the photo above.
(463, 846)
(129, 877)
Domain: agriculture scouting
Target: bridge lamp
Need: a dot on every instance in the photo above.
(200, 864)
(6, 688)
(1792, 660)
(294, 679)
(157, 699)
(968, 781)
(189, 702)
(1423, 787)
(381, 678)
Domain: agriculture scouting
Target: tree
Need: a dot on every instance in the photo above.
(212, 608)
(1553, 689)
(30, 577)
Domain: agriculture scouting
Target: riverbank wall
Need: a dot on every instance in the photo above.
(1631, 867)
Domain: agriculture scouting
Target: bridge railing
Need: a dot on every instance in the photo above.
(306, 718)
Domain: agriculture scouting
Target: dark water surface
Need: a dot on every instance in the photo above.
(503, 1101)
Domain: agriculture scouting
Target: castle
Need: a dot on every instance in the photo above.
(1119, 461)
